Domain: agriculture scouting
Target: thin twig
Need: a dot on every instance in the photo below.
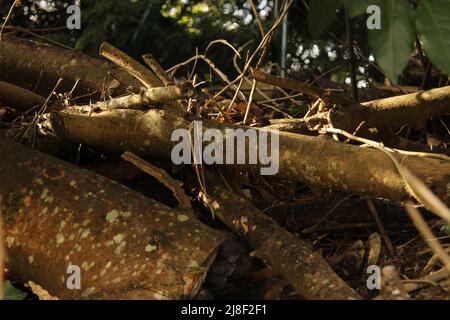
(266, 48)
(351, 51)
(297, 86)
(415, 187)
(27, 31)
(211, 64)
(335, 207)
(36, 30)
(266, 38)
(428, 235)
(252, 5)
(239, 87)
(197, 162)
(250, 99)
(378, 145)
(262, 93)
(224, 42)
(8, 16)
(41, 110)
(384, 234)
(433, 260)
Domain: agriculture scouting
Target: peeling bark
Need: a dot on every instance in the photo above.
(127, 245)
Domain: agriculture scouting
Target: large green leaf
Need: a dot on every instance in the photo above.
(433, 25)
(11, 293)
(357, 7)
(393, 44)
(321, 15)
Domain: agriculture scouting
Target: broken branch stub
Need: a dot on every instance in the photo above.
(145, 98)
(126, 245)
(137, 70)
(157, 69)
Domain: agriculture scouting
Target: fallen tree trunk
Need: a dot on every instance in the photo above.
(313, 160)
(126, 245)
(285, 253)
(18, 98)
(35, 65)
(413, 108)
(386, 136)
(144, 99)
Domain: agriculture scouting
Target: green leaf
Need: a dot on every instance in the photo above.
(393, 44)
(298, 110)
(357, 7)
(445, 229)
(321, 15)
(11, 293)
(433, 25)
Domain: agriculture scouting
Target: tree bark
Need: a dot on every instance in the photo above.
(18, 98)
(317, 161)
(284, 252)
(127, 246)
(413, 108)
(38, 66)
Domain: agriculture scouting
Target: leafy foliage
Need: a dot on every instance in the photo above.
(433, 25)
(321, 15)
(173, 30)
(393, 44)
(169, 29)
(357, 7)
(11, 293)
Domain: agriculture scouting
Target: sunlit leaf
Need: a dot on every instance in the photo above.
(433, 24)
(393, 44)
